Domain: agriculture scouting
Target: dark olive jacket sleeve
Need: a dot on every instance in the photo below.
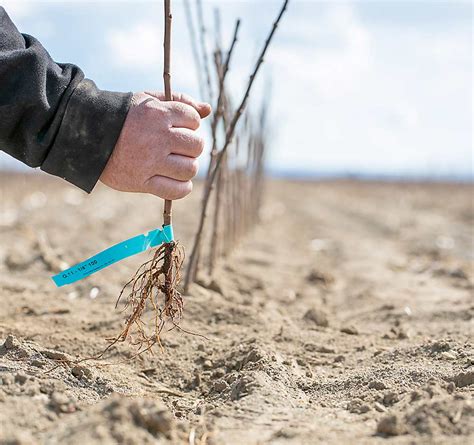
(50, 115)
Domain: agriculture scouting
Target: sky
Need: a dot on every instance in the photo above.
(361, 87)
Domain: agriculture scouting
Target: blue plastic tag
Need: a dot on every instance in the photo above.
(114, 254)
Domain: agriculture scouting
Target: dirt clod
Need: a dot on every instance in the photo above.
(81, 372)
(463, 379)
(317, 316)
(154, 417)
(320, 278)
(351, 330)
(358, 406)
(11, 342)
(61, 403)
(378, 385)
(57, 356)
(389, 426)
(390, 398)
(21, 378)
(379, 407)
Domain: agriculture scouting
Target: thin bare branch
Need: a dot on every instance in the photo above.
(204, 52)
(194, 47)
(228, 140)
(219, 114)
(167, 81)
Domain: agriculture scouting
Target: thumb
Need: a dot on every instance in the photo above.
(203, 108)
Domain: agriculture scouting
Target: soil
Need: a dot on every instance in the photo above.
(345, 316)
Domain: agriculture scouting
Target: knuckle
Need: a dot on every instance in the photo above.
(179, 108)
(186, 113)
(151, 109)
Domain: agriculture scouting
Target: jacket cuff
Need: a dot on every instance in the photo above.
(87, 135)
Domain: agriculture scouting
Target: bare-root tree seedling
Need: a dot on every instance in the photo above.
(155, 285)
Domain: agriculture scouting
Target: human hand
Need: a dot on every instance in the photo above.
(158, 146)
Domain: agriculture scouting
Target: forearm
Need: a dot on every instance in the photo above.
(50, 116)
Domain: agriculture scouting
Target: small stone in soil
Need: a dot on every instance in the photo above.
(317, 316)
(389, 426)
(451, 387)
(377, 384)
(356, 406)
(220, 386)
(218, 373)
(56, 355)
(463, 379)
(326, 350)
(445, 355)
(317, 277)
(215, 286)
(21, 378)
(379, 407)
(60, 403)
(153, 416)
(11, 342)
(390, 398)
(351, 330)
(81, 372)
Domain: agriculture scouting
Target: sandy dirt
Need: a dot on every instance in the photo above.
(346, 316)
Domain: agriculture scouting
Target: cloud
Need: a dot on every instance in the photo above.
(136, 47)
(350, 94)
